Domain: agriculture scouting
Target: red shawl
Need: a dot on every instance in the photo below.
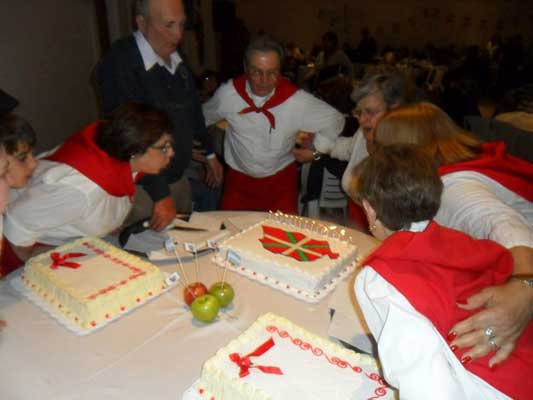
(81, 153)
(512, 172)
(283, 91)
(439, 267)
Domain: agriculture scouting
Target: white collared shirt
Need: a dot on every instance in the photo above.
(252, 147)
(150, 57)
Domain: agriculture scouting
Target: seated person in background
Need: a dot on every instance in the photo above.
(17, 138)
(411, 285)
(85, 188)
(265, 112)
(517, 108)
(487, 194)
(332, 62)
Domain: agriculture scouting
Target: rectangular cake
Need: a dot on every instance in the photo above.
(291, 257)
(276, 359)
(90, 281)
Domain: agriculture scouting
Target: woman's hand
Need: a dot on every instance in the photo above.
(507, 311)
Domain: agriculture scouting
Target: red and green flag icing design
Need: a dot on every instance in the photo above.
(295, 244)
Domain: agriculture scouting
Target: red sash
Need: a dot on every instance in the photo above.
(81, 153)
(439, 267)
(275, 192)
(283, 91)
(512, 172)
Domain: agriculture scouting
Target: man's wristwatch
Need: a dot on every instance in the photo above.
(317, 155)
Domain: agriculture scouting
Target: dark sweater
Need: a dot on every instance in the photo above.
(122, 76)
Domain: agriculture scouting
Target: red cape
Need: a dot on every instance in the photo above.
(512, 172)
(81, 153)
(283, 91)
(439, 267)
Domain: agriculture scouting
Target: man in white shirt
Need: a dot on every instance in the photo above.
(265, 112)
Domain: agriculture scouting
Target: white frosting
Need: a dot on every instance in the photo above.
(107, 282)
(309, 276)
(313, 367)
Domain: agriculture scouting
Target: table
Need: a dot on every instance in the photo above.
(155, 352)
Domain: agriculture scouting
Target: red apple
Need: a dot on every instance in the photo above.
(223, 292)
(205, 308)
(193, 291)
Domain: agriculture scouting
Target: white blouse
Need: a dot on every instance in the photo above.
(485, 209)
(60, 204)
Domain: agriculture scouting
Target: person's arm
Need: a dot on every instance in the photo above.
(415, 359)
(507, 309)
(470, 206)
(473, 208)
(319, 117)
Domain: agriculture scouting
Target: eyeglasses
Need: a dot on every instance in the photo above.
(367, 112)
(165, 148)
(258, 73)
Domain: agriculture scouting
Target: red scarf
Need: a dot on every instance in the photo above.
(81, 153)
(439, 267)
(512, 172)
(283, 91)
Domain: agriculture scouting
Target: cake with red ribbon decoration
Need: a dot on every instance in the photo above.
(298, 260)
(276, 359)
(91, 282)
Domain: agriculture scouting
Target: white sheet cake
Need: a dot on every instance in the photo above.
(297, 260)
(287, 362)
(91, 281)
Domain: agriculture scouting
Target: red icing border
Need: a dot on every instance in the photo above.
(136, 272)
(318, 352)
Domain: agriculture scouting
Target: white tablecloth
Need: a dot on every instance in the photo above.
(155, 352)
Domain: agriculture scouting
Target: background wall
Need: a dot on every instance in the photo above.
(49, 49)
(413, 23)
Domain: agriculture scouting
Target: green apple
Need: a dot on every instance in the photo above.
(205, 308)
(223, 292)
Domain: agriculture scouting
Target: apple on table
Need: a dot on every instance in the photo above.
(205, 308)
(223, 292)
(193, 291)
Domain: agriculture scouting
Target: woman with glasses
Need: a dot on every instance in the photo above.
(85, 188)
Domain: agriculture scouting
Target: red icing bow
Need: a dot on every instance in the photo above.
(245, 363)
(59, 260)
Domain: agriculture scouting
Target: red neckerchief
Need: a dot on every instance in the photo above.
(81, 153)
(512, 172)
(439, 267)
(283, 91)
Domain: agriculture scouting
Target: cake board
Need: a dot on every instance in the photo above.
(300, 294)
(17, 283)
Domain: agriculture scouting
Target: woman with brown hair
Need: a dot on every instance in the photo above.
(489, 195)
